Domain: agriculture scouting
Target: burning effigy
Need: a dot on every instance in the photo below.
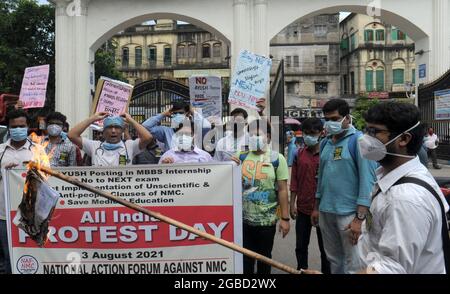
(38, 202)
(37, 206)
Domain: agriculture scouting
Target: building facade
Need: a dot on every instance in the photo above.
(171, 50)
(377, 59)
(310, 51)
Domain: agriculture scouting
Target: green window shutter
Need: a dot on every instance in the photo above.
(344, 44)
(394, 35)
(366, 35)
(369, 80)
(380, 80)
(414, 76)
(353, 42)
(379, 35)
(399, 76)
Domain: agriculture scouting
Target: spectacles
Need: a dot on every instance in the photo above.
(371, 131)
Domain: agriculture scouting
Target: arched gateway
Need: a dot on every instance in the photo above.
(83, 25)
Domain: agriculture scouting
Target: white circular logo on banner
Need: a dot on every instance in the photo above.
(27, 264)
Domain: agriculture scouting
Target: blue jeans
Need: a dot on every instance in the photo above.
(4, 254)
(341, 254)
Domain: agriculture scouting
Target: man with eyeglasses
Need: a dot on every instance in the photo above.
(180, 112)
(345, 182)
(406, 230)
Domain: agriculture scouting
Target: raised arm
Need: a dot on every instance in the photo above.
(75, 133)
(144, 134)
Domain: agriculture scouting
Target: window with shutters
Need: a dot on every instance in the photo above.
(138, 56)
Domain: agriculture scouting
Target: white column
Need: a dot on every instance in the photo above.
(63, 63)
(440, 60)
(261, 41)
(82, 99)
(241, 29)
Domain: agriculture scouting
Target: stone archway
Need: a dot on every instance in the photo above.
(247, 24)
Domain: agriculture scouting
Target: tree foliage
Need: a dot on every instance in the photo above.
(362, 105)
(27, 32)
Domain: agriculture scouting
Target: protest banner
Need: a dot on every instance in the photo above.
(34, 86)
(249, 80)
(111, 96)
(442, 104)
(90, 234)
(206, 94)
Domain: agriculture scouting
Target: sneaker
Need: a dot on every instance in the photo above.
(437, 167)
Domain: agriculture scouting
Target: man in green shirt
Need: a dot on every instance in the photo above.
(264, 179)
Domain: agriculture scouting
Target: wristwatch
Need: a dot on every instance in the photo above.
(361, 216)
(286, 219)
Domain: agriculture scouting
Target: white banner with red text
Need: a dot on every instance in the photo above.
(93, 235)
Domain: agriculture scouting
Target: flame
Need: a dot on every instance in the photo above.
(40, 157)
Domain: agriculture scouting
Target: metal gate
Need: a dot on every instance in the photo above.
(277, 104)
(155, 96)
(427, 109)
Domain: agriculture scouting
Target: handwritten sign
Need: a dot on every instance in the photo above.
(206, 94)
(250, 79)
(112, 96)
(34, 86)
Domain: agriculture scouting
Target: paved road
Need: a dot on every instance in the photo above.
(284, 249)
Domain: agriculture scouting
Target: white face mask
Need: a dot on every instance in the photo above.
(256, 143)
(184, 142)
(373, 149)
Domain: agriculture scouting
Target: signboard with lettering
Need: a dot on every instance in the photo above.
(34, 86)
(111, 96)
(89, 234)
(206, 94)
(250, 79)
(442, 104)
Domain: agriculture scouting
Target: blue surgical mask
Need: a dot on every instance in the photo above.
(111, 146)
(177, 119)
(311, 140)
(334, 127)
(18, 134)
(54, 130)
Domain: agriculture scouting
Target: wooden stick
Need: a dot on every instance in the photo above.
(169, 220)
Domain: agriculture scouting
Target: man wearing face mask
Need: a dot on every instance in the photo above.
(61, 151)
(303, 191)
(235, 140)
(345, 182)
(264, 180)
(112, 151)
(184, 150)
(179, 111)
(17, 150)
(406, 230)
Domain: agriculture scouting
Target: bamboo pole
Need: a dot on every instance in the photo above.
(171, 221)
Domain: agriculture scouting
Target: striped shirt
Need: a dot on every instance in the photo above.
(61, 154)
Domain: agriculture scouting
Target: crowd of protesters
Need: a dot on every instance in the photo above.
(374, 206)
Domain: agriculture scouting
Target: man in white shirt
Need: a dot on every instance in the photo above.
(404, 231)
(431, 142)
(235, 140)
(14, 153)
(112, 151)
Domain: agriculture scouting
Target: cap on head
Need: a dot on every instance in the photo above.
(111, 121)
